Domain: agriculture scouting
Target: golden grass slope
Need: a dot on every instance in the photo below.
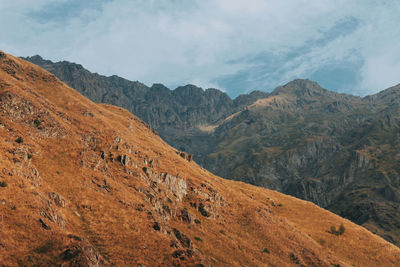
(89, 184)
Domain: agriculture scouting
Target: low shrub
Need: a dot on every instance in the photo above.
(339, 231)
(37, 122)
(265, 250)
(46, 247)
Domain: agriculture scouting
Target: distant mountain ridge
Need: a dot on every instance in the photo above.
(336, 150)
(165, 106)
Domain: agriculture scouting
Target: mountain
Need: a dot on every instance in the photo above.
(170, 112)
(85, 184)
(336, 150)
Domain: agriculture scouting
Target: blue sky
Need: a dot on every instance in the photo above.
(238, 46)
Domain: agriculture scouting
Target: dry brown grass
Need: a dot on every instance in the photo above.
(119, 223)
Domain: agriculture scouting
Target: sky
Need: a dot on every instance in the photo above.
(350, 46)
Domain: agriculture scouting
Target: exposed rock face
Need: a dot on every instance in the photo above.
(336, 150)
(58, 200)
(80, 254)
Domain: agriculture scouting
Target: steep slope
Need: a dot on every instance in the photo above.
(338, 151)
(91, 185)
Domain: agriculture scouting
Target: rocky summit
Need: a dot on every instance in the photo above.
(336, 150)
(85, 184)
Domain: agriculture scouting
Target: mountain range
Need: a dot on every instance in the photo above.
(337, 150)
(86, 184)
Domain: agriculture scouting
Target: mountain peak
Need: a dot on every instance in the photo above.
(189, 89)
(301, 88)
(386, 97)
(36, 59)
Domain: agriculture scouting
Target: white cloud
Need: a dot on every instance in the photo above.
(381, 71)
(181, 41)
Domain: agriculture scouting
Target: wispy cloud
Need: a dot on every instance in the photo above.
(237, 45)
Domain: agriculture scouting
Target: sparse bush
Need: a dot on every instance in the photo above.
(19, 140)
(265, 250)
(37, 122)
(14, 207)
(3, 184)
(333, 229)
(197, 221)
(48, 246)
(156, 226)
(222, 231)
(198, 238)
(29, 156)
(340, 231)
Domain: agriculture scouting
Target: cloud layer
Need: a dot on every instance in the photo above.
(234, 45)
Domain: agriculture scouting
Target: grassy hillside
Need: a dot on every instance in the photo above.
(92, 185)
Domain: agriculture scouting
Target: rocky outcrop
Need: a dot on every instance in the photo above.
(82, 254)
(186, 156)
(57, 199)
